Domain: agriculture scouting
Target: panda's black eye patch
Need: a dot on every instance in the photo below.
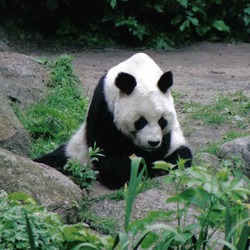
(140, 123)
(162, 123)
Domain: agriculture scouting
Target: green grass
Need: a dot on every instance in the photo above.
(233, 109)
(52, 120)
(213, 147)
(106, 226)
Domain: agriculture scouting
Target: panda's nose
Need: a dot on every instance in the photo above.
(153, 143)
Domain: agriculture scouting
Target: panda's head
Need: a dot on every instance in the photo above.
(144, 112)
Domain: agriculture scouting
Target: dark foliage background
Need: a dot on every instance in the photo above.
(156, 23)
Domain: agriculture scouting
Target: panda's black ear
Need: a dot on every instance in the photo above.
(125, 82)
(166, 81)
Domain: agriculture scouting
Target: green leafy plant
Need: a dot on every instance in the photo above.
(138, 30)
(220, 198)
(78, 238)
(84, 175)
(26, 225)
(133, 187)
(122, 240)
(157, 23)
(23, 223)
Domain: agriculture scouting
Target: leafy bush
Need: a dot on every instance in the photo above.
(220, 197)
(160, 23)
(13, 224)
(25, 225)
(83, 175)
(166, 23)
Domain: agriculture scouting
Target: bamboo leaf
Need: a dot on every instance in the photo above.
(122, 241)
(228, 222)
(133, 187)
(244, 237)
(228, 245)
(230, 234)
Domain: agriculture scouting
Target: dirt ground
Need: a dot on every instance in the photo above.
(201, 72)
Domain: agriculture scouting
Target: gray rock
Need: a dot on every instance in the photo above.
(13, 136)
(22, 79)
(239, 148)
(46, 185)
(208, 160)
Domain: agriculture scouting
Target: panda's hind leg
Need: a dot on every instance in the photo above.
(56, 159)
(182, 152)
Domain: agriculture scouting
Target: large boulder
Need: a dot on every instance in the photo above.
(207, 160)
(237, 149)
(46, 185)
(13, 136)
(22, 79)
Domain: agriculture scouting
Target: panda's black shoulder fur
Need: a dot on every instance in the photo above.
(100, 125)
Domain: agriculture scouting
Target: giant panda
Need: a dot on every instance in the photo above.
(132, 112)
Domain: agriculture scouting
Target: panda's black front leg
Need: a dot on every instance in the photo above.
(114, 171)
(181, 153)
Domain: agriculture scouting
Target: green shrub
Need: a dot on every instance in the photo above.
(26, 225)
(160, 23)
(13, 224)
(84, 175)
(219, 196)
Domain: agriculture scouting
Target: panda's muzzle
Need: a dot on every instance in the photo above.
(154, 143)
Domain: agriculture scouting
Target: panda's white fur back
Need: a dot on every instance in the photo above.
(147, 73)
(77, 148)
